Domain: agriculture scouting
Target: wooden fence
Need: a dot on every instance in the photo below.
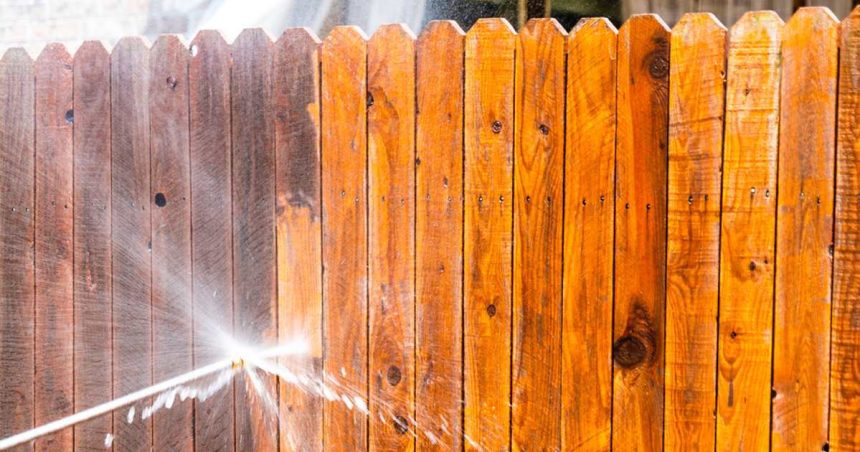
(645, 238)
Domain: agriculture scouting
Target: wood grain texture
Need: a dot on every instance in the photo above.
(747, 230)
(640, 233)
(439, 237)
(804, 230)
(17, 298)
(488, 237)
(254, 272)
(391, 236)
(170, 199)
(130, 235)
(586, 356)
(845, 334)
(696, 107)
(538, 214)
(53, 233)
(92, 240)
(211, 239)
(344, 228)
(296, 91)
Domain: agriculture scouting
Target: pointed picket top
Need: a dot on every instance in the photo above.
(593, 25)
(54, 52)
(705, 23)
(16, 55)
(489, 26)
(757, 25)
(345, 36)
(441, 28)
(205, 40)
(169, 41)
(850, 23)
(820, 16)
(95, 48)
(298, 37)
(393, 32)
(252, 37)
(127, 48)
(643, 22)
(541, 26)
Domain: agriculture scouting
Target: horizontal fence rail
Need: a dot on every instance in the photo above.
(640, 239)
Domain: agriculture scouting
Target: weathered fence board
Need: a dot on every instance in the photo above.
(747, 231)
(696, 97)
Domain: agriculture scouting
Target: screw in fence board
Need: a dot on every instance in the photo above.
(488, 222)
(391, 239)
(17, 170)
(640, 232)
(804, 230)
(538, 175)
(696, 107)
(296, 91)
(748, 226)
(845, 335)
(344, 228)
(439, 236)
(54, 334)
(92, 239)
(254, 273)
(589, 186)
(130, 234)
(171, 234)
(211, 238)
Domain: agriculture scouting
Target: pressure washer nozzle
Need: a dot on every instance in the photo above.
(238, 363)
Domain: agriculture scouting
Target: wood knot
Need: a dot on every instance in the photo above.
(658, 64)
(497, 126)
(393, 376)
(491, 310)
(401, 425)
(628, 351)
(369, 99)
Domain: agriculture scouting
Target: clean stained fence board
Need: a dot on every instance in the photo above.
(747, 230)
(586, 356)
(171, 235)
(640, 233)
(130, 235)
(804, 234)
(391, 236)
(845, 335)
(17, 172)
(488, 225)
(344, 227)
(538, 212)
(254, 273)
(439, 236)
(53, 232)
(696, 106)
(211, 239)
(92, 240)
(296, 78)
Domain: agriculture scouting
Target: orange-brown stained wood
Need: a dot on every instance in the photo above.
(17, 310)
(845, 333)
(296, 85)
(54, 324)
(211, 238)
(804, 230)
(130, 234)
(391, 236)
(640, 233)
(344, 229)
(92, 240)
(586, 356)
(170, 209)
(488, 236)
(747, 232)
(696, 107)
(538, 212)
(439, 237)
(254, 272)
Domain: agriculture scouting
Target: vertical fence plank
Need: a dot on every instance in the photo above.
(297, 153)
(171, 235)
(439, 237)
(487, 248)
(640, 233)
(747, 232)
(254, 273)
(92, 236)
(211, 238)
(17, 172)
(538, 212)
(845, 336)
(391, 239)
(588, 236)
(696, 101)
(344, 216)
(130, 235)
(53, 232)
(804, 230)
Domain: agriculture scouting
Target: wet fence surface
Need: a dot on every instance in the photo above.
(645, 238)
